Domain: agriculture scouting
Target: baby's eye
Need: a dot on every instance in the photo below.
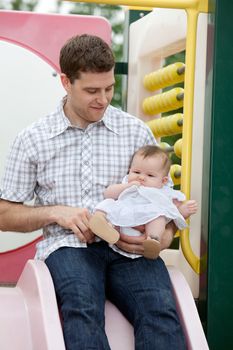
(151, 175)
(137, 172)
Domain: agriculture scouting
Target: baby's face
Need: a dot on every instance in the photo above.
(147, 171)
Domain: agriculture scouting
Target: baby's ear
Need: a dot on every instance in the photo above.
(165, 180)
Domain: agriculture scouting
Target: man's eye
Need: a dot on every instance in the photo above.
(109, 89)
(91, 91)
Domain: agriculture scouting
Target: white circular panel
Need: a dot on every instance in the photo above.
(29, 89)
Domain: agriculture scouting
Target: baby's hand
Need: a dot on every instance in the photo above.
(187, 208)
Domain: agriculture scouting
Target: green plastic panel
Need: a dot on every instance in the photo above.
(220, 226)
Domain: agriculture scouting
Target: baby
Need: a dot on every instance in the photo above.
(143, 198)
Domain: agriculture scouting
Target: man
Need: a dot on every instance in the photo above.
(66, 160)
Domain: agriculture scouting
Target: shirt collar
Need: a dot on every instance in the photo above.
(109, 119)
(62, 123)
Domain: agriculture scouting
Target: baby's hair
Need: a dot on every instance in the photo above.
(153, 151)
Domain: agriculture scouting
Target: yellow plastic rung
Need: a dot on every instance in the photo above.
(170, 75)
(166, 126)
(167, 101)
(166, 146)
(178, 148)
(139, 8)
(175, 173)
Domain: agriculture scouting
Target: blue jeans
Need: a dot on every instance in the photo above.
(140, 288)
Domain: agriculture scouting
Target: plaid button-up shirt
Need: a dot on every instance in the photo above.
(47, 158)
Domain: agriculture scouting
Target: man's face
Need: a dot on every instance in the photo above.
(88, 97)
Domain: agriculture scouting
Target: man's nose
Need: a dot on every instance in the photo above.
(102, 98)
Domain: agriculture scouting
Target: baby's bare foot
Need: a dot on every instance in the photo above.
(188, 208)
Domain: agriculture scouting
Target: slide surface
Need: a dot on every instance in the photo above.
(29, 317)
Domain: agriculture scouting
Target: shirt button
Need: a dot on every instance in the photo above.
(86, 162)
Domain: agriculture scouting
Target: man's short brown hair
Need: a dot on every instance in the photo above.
(85, 53)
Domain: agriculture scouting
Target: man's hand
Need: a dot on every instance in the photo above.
(132, 244)
(75, 219)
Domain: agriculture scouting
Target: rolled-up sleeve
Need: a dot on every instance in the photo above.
(19, 179)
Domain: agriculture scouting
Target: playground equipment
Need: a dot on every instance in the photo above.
(20, 294)
(208, 78)
(171, 125)
(31, 310)
(164, 102)
(146, 60)
(195, 100)
(166, 76)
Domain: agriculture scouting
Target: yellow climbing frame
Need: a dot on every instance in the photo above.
(192, 8)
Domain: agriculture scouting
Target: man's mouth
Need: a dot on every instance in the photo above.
(98, 108)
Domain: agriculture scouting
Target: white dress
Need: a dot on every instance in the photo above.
(138, 205)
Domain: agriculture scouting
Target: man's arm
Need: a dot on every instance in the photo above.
(168, 235)
(23, 218)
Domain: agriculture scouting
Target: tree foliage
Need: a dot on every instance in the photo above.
(19, 5)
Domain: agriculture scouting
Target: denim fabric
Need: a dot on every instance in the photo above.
(140, 288)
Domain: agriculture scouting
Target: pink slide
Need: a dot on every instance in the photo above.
(29, 317)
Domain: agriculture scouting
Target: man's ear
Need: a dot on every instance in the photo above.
(165, 180)
(65, 81)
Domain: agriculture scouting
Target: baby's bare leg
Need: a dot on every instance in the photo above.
(154, 231)
(155, 228)
(100, 226)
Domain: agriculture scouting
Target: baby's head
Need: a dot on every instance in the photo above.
(150, 166)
